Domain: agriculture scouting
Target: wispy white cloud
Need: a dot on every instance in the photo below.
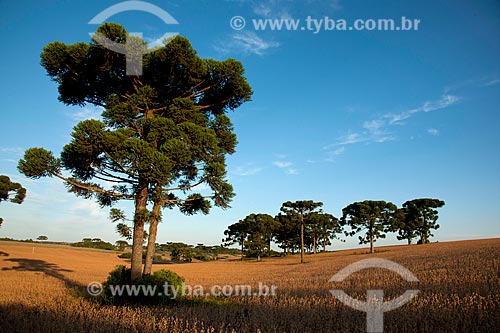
(486, 81)
(433, 131)
(492, 82)
(292, 171)
(331, 4)
(378, 130)
(348, 139)
(287, 167)
(245, 171)
(87, 112)
(271, 9)
(332, 155)
(246, 43)
(11, 150)
(160, 41)
(445, 101)
(87, 208)
(374, 126)
(154, 42)
(262, 9)
(282, 164)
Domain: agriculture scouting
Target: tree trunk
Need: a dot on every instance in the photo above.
(423, 238)
(258, 257)
(301, 239)
(324, 244)
(242, 248)
(138, 238)
(314, 245)
(153, 230)
(409, 241)
(371, 244)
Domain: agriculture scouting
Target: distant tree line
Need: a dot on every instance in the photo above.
(94, 243)
(181, 252)
(303, 225)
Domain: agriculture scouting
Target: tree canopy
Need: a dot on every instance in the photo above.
(161, 134)
(11, 191)
(419, 217)
(374, 217)
(301, 209)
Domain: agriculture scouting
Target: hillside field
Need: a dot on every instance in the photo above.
(43, 290)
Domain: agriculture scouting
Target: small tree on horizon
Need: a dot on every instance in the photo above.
(374, 217)
(42, 238)
(323, 227)
(287, 232)
(420, 217)
(236, 233)
(121, 244)
(301, 209)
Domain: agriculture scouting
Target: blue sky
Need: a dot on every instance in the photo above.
(337, 116)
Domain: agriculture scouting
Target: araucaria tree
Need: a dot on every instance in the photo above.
(322, 227)
(374, 217)
(260, 233)
(162, 133)
(419, 217)
(254, 233)
(287, 233)
(301, 210)
(236, 233)
(11, 191)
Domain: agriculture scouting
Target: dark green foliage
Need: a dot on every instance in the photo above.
(300, 210)
(287, 233)
(201, 252)
(254, 234)
(236, 233)
(11, 191)
(95, 245)
(321, 229)
(417, 218)
(374, 217)
(156, 282)
(42, 238)
(182, 254)
(121, 244)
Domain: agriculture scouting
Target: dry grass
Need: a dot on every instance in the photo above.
(459, 292)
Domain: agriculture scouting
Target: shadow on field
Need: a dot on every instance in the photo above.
(31, 318)
(47, 268)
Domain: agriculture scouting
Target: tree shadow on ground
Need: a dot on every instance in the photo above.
(47, 268)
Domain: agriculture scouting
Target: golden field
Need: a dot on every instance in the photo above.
(43, 290)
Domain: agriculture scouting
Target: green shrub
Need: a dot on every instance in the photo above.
(149, 289)
(95, 245)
